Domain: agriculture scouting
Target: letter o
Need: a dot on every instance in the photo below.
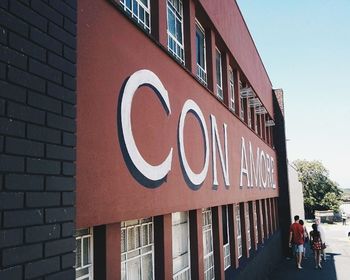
(195, 178)
(263, 160)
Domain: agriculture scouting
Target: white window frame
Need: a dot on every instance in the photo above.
(219, 88)
(262, 220)
(241, 113)
(239, 232)
(209, 256)
(255, 218)
(249, 113)
(186, 272)
(232, 90)
(227, 253)
(136, 17)
(146, 222)
(247, 222)
(90, 265)
(202, 70)
(178, 49)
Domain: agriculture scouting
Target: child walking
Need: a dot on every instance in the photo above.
(316, 245)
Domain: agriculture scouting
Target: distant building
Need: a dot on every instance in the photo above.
(166, 160)
(295, 193)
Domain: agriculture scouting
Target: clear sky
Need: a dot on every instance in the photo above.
(305, 47)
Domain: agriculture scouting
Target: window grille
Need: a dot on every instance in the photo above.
(232, 91)
(139, 10)
(181, 246)
(226, 239)
(239, 231)
(241, 113)
(201, 54)
(208, 251)
(219, 91)
(84, 254)
(255, 217)
(262, 220)
(175, 29)
(137, 250)
(247, 221)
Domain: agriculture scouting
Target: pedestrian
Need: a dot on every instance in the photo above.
(323, 238)
(343, 216)
(316, 245)
(306, 238)
(296, 239)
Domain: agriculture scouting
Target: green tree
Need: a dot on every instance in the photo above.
(320, 192)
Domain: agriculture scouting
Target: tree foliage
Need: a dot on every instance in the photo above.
(320, 192)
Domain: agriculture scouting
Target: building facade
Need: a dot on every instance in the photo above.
(166, 160)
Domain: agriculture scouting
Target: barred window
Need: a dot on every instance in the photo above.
(226, 235)
(208, 250)
(201, 54)
(247, 222)
(84, 254)
(137, 249)
(219, 90)
(232, 90)
(262, 220)
(255, 217)
(139, 10)
(181, 246)
(239, 231)
(175, 29)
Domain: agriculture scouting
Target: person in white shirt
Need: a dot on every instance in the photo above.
(344, 216)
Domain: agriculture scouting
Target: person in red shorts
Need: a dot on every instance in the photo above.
(296, 238)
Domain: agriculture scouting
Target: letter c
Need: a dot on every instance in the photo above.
(136, 80)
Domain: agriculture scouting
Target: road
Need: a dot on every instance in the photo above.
(336, 266)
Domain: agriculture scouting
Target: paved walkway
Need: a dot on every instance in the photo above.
(336, 266)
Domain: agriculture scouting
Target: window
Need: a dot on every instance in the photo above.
(255, 218)
(219, 91)
(208, 251)
(84, 254)
(226, 235)
(201, 53)
(139, 10)
(175, 29)
(262, 220)
(181, 246)
(137, 250)
(249, 114)
(239, 231)
(232, 90)
(247, 222)
(258, 123)
(241, 113)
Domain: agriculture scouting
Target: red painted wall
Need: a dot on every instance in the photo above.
(229, 22)
(110, 49)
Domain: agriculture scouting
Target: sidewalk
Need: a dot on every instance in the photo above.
(336, 266)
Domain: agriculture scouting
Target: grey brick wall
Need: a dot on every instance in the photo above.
(37, 138)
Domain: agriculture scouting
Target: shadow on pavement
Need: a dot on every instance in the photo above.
(287, 269)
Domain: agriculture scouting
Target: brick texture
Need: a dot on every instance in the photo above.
(37, 139)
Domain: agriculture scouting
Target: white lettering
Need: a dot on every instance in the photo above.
(244, 164)
(199, 178)
(263, 166)
(215, 140)
(268, 170)
(136, 80)
(254, 170)
(272, 173)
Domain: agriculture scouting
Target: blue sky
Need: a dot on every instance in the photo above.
(305, 47)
